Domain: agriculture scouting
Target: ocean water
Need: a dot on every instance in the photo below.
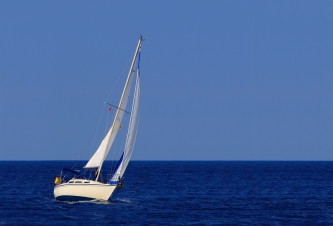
(176, 193)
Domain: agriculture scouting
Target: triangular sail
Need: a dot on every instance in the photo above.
(98, 158)
(131, 134)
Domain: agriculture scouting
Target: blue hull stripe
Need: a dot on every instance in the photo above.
(72, 198)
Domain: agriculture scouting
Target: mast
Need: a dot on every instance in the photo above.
(118, 117)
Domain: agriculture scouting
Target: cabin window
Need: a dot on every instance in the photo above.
(71, 181)
(87, 182)
(78, 182)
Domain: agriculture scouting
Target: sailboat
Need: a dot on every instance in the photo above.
(85, 185)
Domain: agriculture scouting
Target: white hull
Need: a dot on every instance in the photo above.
(76, 190)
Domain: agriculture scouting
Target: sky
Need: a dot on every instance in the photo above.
(220, 80)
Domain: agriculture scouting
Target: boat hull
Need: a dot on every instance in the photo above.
(84, 190)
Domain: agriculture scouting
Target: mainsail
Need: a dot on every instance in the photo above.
(96, 161)
(131, 134)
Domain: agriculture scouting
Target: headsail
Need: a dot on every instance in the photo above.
(98, 158)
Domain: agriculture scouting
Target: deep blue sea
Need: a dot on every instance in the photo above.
(176, 193)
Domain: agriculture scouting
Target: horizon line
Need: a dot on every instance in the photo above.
(180, 160)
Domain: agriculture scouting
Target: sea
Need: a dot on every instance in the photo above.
(176, 193)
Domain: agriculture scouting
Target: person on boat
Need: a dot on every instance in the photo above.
(96, 174)
(100, 176)
(57, 180)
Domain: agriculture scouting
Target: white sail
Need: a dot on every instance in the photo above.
(133, 130)
(98, 158)
(131, 134)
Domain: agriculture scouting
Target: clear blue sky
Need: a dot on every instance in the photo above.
(221, 80)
